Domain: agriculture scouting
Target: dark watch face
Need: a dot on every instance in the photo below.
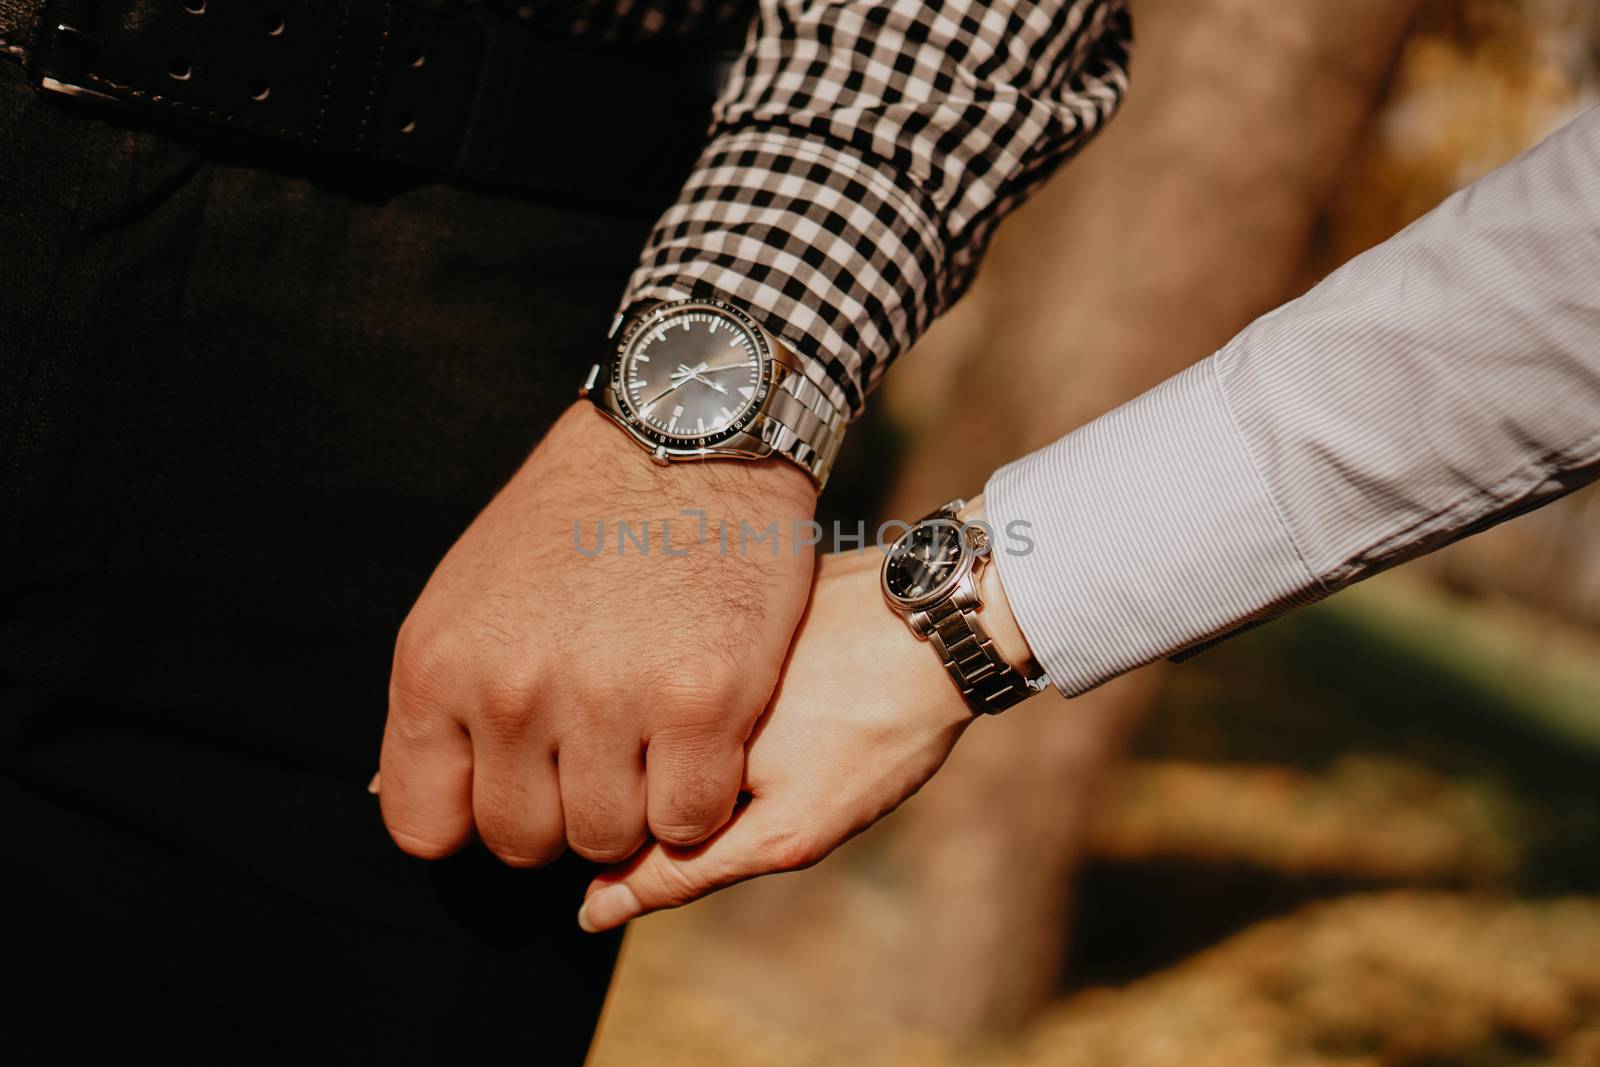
(692, 375)
(923, 561)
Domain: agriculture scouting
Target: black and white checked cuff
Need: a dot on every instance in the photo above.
(828, 250)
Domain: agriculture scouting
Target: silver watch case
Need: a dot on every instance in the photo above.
(960, 587)
(738, 439)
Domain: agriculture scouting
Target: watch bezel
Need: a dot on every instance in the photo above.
(973, 549)
(690, 446)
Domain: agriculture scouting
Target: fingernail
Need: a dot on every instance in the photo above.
(372, 786)
(611, 906)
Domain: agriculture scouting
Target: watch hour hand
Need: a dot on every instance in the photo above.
(696, 374)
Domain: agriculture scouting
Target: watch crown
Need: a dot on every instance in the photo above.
(588, 383)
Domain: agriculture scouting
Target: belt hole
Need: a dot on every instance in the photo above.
(180, 70)
(276, 25)
(408, 125)
(260, 90)
(417, 57)
(195, 7)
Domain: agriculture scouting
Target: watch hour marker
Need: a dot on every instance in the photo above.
(725, 413)
(747, 391)
(641, 358)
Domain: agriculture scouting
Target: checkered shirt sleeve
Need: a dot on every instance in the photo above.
(863, 154)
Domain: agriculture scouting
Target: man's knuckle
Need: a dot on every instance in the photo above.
(608, 854)
(413, 727)
(525, 854)
(510, 699)
(684, 830)
(682, 747)
(423, 666)
(601, 847)
(693, 808)
(515, 841)
(494, 819)
(427, 846)
(597, 834)
(705, 690)
(693, 771)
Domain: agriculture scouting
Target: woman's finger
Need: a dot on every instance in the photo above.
(761, 839)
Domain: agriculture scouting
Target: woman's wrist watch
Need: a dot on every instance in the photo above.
(701, 379)
(930, 577)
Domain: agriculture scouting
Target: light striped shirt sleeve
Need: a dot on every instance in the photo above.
(1439, 383)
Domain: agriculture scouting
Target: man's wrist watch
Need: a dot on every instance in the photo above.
(930, 577)
(701, 379)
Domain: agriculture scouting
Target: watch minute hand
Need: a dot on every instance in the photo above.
(696, 374)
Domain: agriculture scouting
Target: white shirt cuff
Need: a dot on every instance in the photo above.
(1152, 533)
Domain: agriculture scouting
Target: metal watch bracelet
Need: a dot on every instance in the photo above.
(800, 421)
(986, 680)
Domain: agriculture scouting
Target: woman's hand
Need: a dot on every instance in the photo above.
(863, 716)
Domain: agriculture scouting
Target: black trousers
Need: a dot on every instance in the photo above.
(243, 412)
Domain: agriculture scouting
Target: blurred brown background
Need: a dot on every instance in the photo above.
(1367, 834)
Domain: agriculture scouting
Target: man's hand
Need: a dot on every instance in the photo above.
(548, 696)
(864, 715)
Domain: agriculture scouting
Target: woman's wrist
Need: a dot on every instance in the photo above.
(917, 682)
(997, 616)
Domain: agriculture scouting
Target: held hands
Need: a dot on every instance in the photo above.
(544, 698)
(863, 716)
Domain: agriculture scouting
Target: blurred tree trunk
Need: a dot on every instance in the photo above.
(1191, 216)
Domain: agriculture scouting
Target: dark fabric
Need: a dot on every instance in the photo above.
(483, 99)
(242, 414)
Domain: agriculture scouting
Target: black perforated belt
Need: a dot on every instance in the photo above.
(473, 97)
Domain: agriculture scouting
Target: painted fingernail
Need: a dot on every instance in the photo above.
(372, 786)
(611, 906)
